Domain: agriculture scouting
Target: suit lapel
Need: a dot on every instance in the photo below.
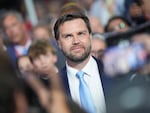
(65, 81)
(12, 53)
(104, 79)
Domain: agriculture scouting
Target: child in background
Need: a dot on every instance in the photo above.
(43, 57)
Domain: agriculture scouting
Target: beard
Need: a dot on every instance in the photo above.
(77, 59)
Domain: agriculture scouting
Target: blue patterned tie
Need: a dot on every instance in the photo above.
(85, 95)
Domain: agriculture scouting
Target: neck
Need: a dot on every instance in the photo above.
(78, 65)
(24, 40)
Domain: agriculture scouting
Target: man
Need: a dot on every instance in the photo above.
(41, 31)
(73, 34)
(96, 25)
(14, 28)
(98, 45)
(117, 24)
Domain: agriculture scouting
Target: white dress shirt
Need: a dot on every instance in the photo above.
(20, 50)
(93, 80)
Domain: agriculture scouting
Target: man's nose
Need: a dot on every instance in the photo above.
(76, 40)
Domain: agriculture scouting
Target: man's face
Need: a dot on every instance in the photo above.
(41, 33)
(118, 26)
(98, 48)
(44, 62)
(14, 29)
(75, 40)
(96, 25)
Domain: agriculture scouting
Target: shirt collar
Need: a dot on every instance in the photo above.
(20, 49)
(27, 45)
(88, 68)
(71, 71)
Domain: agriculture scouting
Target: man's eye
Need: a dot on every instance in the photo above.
(67, 36)
(82, 33)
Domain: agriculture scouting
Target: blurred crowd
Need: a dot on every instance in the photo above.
(32, 56)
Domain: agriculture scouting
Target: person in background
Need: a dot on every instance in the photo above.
(134, 12)
(139, 11)
(105, 9)
(98, 45)
(73, 34)
(41, 11)
(96, 25)
(15, 30)
(117, 24)
(54, 7)
(72, 7)
(12, 99)
(42, 32)
(42, 55)
(86, 4)
(143, 38)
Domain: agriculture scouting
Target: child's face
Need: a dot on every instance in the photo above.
(44, 62)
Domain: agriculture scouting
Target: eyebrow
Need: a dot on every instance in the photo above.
(82, 31)
(66, 34)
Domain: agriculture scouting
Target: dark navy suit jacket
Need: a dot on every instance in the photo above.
(106, 81)
(12, 54)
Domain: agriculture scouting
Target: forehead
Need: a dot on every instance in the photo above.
(40, 28)
(10, 18)
(72, 25)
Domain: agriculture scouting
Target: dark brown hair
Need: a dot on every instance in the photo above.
(40, 47)
(69, 17)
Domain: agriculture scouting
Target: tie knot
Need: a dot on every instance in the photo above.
(80, 74)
